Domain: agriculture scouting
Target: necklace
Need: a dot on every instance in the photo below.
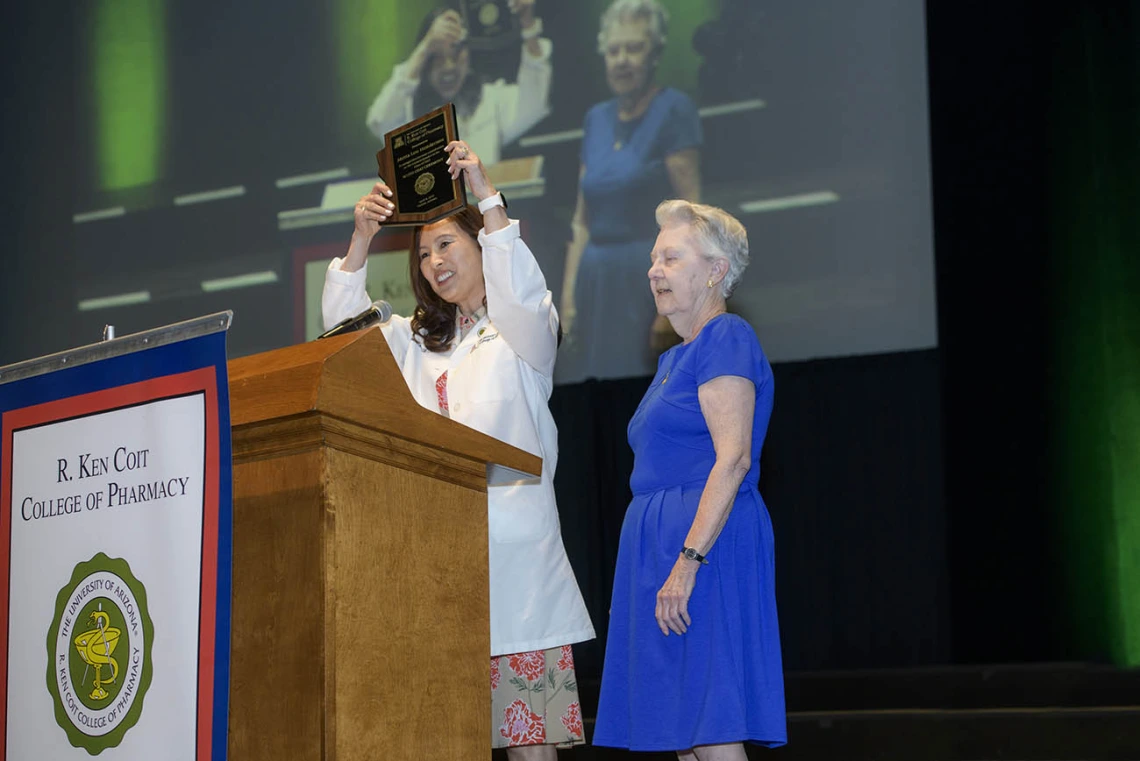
(623, 131)
(624, 128)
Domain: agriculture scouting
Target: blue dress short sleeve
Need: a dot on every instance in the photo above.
(728, 346)
(682, 127)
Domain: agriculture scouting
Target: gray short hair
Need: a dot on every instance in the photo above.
(718, 234)
(627, 10)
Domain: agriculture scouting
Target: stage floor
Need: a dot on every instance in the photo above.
(1033, 712)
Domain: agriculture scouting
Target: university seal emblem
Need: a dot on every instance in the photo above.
(425, 182)
(99, 653)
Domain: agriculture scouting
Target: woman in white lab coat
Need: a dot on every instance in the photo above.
(480, 348)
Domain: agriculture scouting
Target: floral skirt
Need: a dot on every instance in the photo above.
(534, 699)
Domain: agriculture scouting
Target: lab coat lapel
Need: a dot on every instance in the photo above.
(470, 340)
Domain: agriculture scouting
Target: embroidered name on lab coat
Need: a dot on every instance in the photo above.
(484, 339)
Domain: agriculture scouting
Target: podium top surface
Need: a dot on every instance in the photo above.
(354, 377)
(115, 347)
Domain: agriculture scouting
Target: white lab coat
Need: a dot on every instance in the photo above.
(506, 110)
(499, 381)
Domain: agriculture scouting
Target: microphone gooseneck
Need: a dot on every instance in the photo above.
(378, 313)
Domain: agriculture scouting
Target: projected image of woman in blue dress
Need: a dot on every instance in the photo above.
(638, 148)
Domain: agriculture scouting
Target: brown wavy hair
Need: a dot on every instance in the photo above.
(434, 318)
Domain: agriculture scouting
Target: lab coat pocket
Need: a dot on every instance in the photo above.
(520, 513)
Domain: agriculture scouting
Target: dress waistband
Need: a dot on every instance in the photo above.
(748, 484)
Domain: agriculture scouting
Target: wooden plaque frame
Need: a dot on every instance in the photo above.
(414, 165)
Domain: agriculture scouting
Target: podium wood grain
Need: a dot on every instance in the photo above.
(360, 598)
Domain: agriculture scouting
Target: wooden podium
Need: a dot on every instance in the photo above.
(360, 600)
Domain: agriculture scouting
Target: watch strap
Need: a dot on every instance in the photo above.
(491, 202)
(692, 554)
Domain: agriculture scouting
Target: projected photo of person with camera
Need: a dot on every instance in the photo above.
(491, 114)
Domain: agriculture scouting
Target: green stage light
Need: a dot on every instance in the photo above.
(1096, 364)
(128, 62)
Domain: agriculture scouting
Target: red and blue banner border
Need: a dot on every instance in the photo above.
(192, 366)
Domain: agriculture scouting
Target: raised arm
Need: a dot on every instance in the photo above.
(728, 403)
(393, 106)
(518, 301)
(345, 293)
(530, 98)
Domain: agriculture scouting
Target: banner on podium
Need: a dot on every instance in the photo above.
(115, 535)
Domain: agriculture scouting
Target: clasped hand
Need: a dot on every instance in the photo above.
(375, 208)
(462, 159)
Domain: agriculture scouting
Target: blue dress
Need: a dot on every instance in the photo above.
(721, 681)
(625, 178)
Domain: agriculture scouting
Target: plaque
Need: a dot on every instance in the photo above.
(490, 24)
(414, 165)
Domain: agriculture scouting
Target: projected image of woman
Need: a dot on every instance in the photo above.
(639, 147)
(490, 114)
(480, 349)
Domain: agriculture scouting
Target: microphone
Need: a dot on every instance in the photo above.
(376, 314)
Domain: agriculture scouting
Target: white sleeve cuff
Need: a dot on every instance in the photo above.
(500, 238)
(334, 274)
(400, 75)
(543, 58)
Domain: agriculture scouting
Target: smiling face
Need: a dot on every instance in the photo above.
(452, 263)
(679, 278)
(631, 57)
(448, 70)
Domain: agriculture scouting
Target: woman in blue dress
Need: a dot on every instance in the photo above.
(638, 148)
(693, 653)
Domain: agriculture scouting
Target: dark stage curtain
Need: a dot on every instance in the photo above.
(592, 488)
(989, 94)
(852, 474)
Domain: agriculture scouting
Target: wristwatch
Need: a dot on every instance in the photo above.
(491, 202)
(692, 554)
